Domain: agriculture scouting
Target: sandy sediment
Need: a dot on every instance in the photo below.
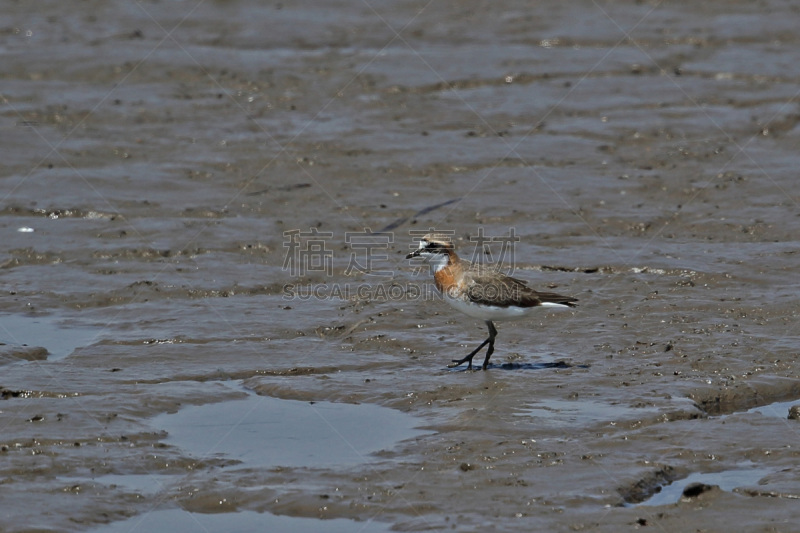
(159, 159)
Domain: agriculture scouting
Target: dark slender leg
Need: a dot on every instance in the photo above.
(492, 335)
(468, 358)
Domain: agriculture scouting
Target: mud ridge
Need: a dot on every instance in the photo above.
(746, 395)
(645, 487)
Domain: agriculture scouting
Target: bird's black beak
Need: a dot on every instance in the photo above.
(415, 253)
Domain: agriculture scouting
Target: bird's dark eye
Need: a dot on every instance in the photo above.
(433, 246)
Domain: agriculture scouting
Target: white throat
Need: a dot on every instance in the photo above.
(438, 261)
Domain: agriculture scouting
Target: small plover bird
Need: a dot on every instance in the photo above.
(481, 291)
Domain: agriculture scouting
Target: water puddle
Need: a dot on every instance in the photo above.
(777, 409)
(727, 480)
(560, 413)
(261, 431)
(46, 331)
(240, 522)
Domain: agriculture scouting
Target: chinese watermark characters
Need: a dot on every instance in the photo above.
(312, 252)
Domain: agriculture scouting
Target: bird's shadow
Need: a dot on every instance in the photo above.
(522, 366)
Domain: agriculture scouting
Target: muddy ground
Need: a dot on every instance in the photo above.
(159, 158)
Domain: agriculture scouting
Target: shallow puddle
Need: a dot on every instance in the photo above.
(46, 331)
(261, 431)
(777, 409)
(179, 520)
(727, 480)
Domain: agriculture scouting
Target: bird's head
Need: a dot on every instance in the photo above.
(435, 248)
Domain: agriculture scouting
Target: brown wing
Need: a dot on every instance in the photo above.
(488, 287)
(553, 298)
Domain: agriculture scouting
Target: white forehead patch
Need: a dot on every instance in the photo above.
(423, 243)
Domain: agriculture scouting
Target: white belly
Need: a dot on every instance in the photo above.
(488, 312)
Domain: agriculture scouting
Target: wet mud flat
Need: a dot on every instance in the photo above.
(155, 371)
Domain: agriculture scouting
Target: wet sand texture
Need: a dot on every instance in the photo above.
(155, 153)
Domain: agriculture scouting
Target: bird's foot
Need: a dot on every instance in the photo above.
(459, 362)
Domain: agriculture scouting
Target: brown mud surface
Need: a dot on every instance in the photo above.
(156, 153)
